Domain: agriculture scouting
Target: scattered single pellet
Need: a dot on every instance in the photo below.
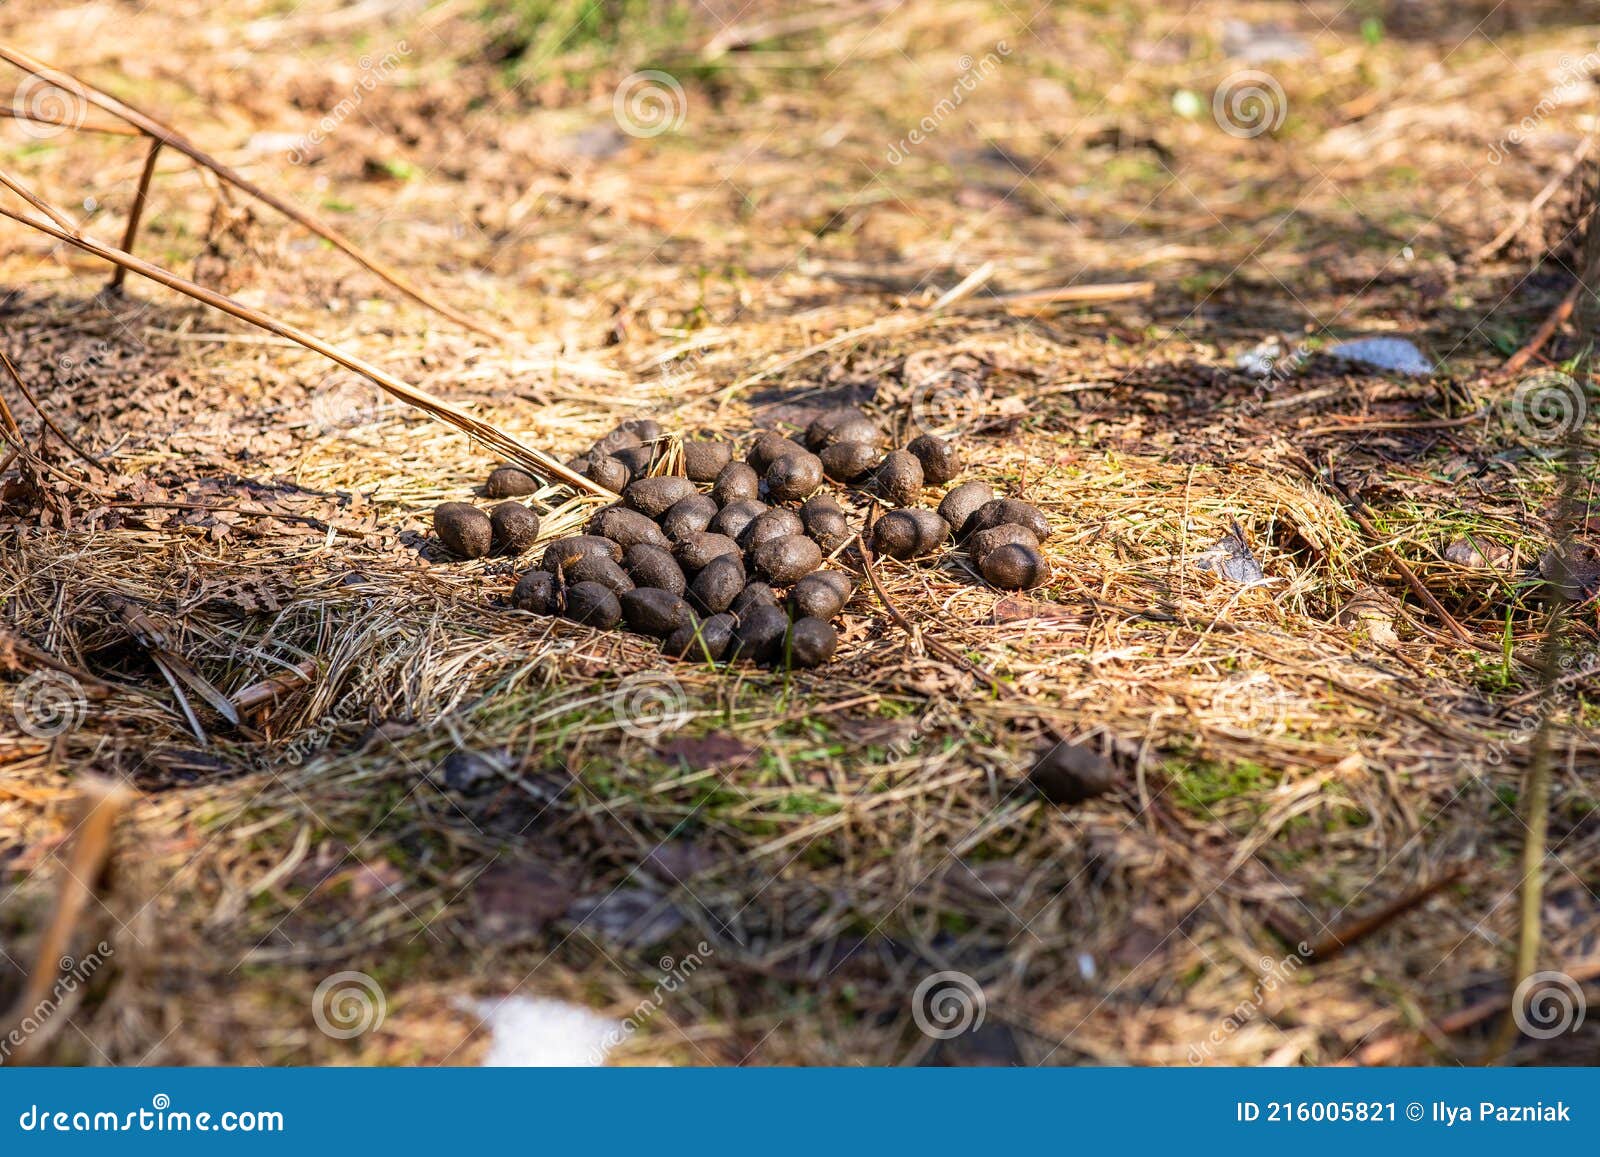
(463, 528)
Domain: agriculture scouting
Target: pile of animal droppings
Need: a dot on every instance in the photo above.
(722, 558)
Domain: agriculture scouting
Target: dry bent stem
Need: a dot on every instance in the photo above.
(170, 137)
(490, 435)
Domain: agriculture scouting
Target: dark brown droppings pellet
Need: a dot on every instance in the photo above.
(846, 424)
(770, 524)
(513, 527)
(593, 605)
(958, 506)
(598, 569)
(638, 459)
(768, 448)
(941, 462)
(984, 541)
(644, 429)
(537, 591)
(738, 482)
(810, 643)
(510, 482)
(689, 515)
(1014, 567)
(694, 551)
(1010, 510)
(652, 566)
(909, 533)
(703, 460)
(716, 586)
(626, 527)
(848, 461)
(463, 528)
(757, 594)
(732, 519)
(618, 439)
(793, 477)
(563, 552)
(612, 473)
(894, 536)
(654, 612)
(825, 522)
(1070, 773)
(758, 634)
(655, 496)
(821, 594)
(898, 478)
(785, 561)
(707, 640)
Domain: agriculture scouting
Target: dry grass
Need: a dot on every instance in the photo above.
(1298, 754)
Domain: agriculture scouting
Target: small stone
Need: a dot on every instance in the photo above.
(464, 529)
(513, 527)
(1070, 773)
(510, 482)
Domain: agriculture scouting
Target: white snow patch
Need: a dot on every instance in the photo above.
(536, 1032)
(1395, 354)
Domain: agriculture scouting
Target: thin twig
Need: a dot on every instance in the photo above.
(490, 435)
(131, 233)
(173, 139)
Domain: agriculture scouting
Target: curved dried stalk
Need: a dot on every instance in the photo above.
(535, 461)
(171, 138)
